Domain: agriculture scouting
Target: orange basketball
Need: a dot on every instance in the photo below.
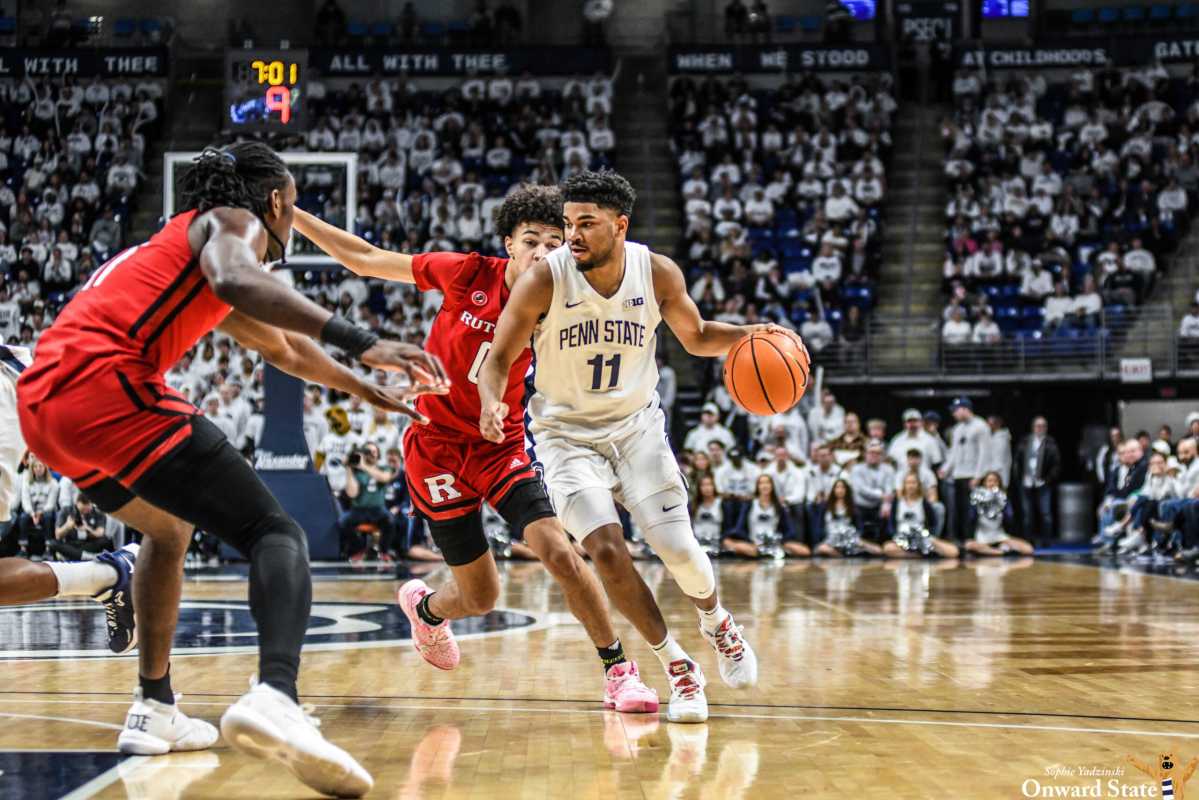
(767, 373)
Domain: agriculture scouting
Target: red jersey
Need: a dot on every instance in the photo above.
(461, 336)
(148, 305)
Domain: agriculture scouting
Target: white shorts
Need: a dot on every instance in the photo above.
(12, 445)
(631, 469)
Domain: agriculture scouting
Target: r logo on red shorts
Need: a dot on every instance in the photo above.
(441, 488)
(479, 298)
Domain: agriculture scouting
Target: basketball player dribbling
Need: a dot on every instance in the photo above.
(95, 407)
(592, 309)
(451, 470)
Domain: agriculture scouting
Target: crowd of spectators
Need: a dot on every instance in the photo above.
(782, 192)
(1066, 199)
(1149, 507)
(821, 481)
(434, 165)
(54, 520)
(71, 160)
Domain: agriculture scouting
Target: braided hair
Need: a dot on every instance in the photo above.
(239, 176)
(242, 175)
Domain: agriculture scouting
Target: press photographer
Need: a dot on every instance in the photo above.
(366, 486)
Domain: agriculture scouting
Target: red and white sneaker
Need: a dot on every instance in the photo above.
(738, 663)
(687, 700)
(624, 691)
(435, 643)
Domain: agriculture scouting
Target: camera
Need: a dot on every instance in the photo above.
(354, 458)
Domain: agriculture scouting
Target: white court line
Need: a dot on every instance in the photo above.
(105, 779)
(93, 723)
(779, 717)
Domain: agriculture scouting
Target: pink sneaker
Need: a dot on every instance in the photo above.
(435, 643)
(624, 691)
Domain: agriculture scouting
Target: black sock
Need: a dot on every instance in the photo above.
(427, 616)
(611, 656)
(281, 600)
(157, 688)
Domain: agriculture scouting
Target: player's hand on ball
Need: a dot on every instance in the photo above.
(768, 327)
(424, 370)
(491, 421)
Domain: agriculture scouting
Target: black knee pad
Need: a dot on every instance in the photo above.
(276, 529)
(525, 503)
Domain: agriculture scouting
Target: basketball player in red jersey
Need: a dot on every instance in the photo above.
(451, 469)
(94, 406)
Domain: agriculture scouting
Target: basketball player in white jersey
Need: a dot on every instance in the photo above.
(592, 308)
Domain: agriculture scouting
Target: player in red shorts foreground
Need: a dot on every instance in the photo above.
(94, 406)
(451, 469)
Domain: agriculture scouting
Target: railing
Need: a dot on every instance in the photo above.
(896, 350)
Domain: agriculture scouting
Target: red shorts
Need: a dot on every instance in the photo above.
(450, 478)
(113, 426)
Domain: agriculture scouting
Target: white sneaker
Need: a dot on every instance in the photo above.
(265, 723)
(687, 700)
(738, 663)
(153, 728)
(1132, 542)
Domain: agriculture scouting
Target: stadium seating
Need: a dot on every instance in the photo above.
(71, 159)
(772, 177)
(1081, 176)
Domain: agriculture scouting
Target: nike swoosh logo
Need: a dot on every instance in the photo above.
(576, 303)
(671, 508)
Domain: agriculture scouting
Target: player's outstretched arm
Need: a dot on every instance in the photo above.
(353, 252)
(530, 300)
(300, 356)
(231, 244)
(700, 337)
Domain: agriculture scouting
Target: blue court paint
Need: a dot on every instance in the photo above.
(75, 629)
(51, 773)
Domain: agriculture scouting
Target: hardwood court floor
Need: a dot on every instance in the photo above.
(1000, 679)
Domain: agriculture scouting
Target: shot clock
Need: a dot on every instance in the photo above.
(264, 89)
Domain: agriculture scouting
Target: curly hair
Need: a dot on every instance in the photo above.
(605, 188)
(529, 203)
(240, 176)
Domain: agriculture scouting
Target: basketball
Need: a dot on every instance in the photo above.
(767, 373)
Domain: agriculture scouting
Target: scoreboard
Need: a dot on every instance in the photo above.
(265, 89)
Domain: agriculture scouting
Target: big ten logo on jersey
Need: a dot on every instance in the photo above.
(441, 488)
(607, 331)
(634, 302)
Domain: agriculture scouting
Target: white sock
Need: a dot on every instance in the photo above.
(669, 651)
(711, 620)
(82, 578)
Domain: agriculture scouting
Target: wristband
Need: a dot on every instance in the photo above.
(348, 337)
